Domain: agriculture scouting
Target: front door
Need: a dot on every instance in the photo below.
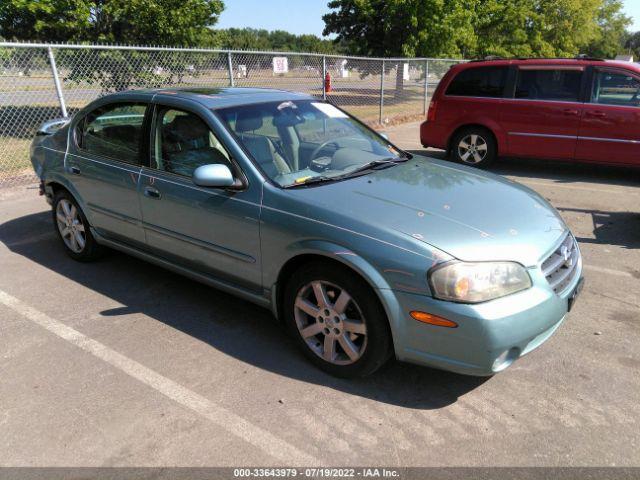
(210, 230)
(610, 128)
(104, 164)
(542, 119)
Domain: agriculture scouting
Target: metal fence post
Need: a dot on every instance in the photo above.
(426, 87)
(381, 93)
(230, 67)
(56, 81)
(324, 76)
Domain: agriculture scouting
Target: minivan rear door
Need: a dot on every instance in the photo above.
(610, 127)
(542, 116)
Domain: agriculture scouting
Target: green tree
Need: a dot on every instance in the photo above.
(393, 28)
(476, 28)
(612, 32)
(632, 44)
(399, 28)
(158, 22)
(278, 40)
(44, 20)
(534, 28)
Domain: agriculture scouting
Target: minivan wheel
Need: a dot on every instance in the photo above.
(73, 228)
(474, 146)
(336, 320)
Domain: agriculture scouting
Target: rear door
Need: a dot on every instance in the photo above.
(543, 117)
(104, 163)
(610, 127)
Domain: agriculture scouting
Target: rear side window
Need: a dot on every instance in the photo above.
(547, 84)
(479, 82)
(113, 131)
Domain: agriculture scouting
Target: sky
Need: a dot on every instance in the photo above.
(305, 16)
(632, 9)
(295, 16)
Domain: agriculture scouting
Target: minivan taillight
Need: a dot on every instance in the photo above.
(431, 113)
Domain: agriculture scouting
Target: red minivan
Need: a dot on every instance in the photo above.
(568, 109)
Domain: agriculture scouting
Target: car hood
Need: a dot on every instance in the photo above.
(469, 214)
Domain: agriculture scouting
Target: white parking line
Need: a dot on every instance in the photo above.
(222, 417)
(610, 271)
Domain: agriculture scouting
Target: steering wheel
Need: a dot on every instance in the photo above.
(320, 147)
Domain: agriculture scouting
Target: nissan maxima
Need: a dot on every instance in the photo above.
(364, 251)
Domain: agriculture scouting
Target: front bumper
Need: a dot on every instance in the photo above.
(490, 336)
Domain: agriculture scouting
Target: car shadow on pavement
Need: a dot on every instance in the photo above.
(555, 170)
(611, 228)
(231, 325)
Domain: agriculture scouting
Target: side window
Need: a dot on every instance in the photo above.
(479, 82)
(615, 88)
(113, 131)
(182, 142)
(549, 84)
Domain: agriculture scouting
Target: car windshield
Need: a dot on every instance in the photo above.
(301, 142)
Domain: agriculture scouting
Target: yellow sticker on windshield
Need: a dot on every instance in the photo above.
(302, 179)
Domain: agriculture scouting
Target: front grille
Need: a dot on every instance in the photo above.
(562, 265)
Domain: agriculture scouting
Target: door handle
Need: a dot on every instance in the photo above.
(74, 170)
(597, 113)
(151, 192)
(570, 111)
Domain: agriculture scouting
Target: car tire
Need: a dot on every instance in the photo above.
(346, 336)
(474, 146)
(73, 229)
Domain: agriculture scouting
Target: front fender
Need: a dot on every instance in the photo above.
(355, 262)
(340, 253)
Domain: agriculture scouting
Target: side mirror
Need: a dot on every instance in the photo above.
(213, 175)
(52, 126)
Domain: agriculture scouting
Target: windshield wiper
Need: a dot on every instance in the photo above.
(373, 165)
(310, 181)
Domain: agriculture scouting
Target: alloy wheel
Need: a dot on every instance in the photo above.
(472, 149)
(330, 322)
(70, 226)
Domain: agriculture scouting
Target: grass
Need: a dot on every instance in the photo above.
(14, 156)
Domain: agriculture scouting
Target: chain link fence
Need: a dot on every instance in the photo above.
(39, 82)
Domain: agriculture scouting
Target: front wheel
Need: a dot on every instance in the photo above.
(474, 146)
(337, 320)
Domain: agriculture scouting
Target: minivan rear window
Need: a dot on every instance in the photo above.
(549, 84)
(479, 82)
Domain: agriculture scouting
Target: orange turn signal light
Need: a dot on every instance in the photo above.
(425, 317)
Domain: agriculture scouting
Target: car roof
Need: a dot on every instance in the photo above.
(564, 62)
(221, 97)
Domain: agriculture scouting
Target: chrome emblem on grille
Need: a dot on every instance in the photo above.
(566, 254)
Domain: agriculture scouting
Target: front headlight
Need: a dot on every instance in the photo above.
(477, 282)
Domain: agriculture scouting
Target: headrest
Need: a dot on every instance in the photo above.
(248, 121)
(188, 127)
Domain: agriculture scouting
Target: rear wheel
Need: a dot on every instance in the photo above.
(474, 146)
(73, 228)
(337, 320)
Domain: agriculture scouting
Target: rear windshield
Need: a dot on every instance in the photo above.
(479, 82)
